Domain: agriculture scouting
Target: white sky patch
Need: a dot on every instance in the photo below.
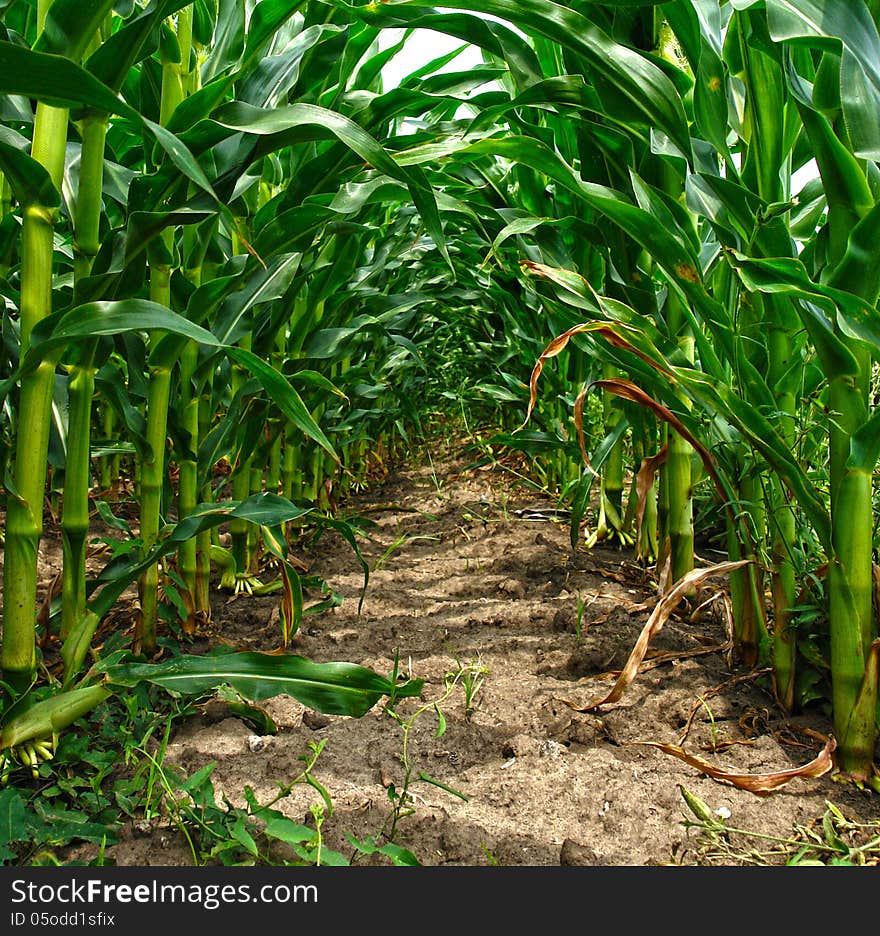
(423, 46)
(803, 175)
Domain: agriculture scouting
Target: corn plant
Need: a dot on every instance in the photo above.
(180, 161)
(765, 296)
(226, 240)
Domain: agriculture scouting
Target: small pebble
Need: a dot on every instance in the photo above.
(255, 743)
(574, 855)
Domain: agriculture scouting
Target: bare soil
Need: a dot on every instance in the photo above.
(472, 567)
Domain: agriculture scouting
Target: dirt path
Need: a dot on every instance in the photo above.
(470, 569)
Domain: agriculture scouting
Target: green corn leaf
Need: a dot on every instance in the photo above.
(581, 498)
(198, 106)
(263, 26)
(180, 156)
(270, 79)
(331, 688)
(294, 229)
(267, 510)
(312, 378)
(788, 276)
(60, 82)
(133, 315)
(70, 26)
(228, 38)
(56, 80)
(283, 395)
(31, 184)
(697, 26)
(829, 23)
(136, 39)
(247, 119)
(327, 343)
(144, 226)
(860, 100)
(109, 318)
(76, 646)
(846, 188)
(632, 86)
(263, 284)
(764, 437)
(496, 38)
(865, 445)
(858, 270)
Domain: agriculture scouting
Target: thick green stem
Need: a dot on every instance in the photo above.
(152, 483)
(24, 518)
(291, 468)
(87, 221)
(784, 530)
(611, 486)
(255, 486)
(680, 518)
(241, 481)
(5, 209)
(746, 599)
(188, 485)
(5, 196)
(204, 540)
(273, 471)
(81, 382)
(784, 589)
(850, 579)
(646, 544)
(161, 257)
(679, 468)
(77, 483)
(152, 474)
(853, 258)
(109, 464)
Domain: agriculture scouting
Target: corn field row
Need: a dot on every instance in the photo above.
(640, 241)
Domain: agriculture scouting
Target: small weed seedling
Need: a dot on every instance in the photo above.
(95, 782)
(403, 801)
(713, 728)
(400, 541)
(472, 675)
(232, 835)
(833, 841)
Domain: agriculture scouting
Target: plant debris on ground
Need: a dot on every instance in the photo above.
(513, 631)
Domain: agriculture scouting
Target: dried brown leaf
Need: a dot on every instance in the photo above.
(629, 391)
(659, 616)
(753, 783)
(559, 343)
(579, 426)
(556, 346)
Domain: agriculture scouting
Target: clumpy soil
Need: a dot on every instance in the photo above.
(472, 568)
